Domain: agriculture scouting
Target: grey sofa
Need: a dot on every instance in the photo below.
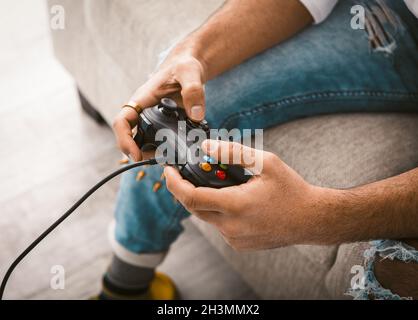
(110, 47)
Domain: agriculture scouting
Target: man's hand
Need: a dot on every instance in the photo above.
(180, 77)
(273, 209)
(278, 207)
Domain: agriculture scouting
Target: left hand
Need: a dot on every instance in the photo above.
(273, 209)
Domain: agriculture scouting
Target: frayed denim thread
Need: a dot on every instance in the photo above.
(386, 249)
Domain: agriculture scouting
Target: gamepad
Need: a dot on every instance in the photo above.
(202, 173)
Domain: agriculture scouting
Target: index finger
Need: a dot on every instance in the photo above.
(149, 94)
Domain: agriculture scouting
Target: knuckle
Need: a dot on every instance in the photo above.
(185, 63)
(189, 201)
(269, 157)
(181, 66)
(192, 88)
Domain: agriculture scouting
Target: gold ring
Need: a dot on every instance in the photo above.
(133, 105)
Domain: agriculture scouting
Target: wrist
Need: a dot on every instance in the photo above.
(335, 220)
(354, 215)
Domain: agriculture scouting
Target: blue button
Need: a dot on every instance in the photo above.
(208, 159)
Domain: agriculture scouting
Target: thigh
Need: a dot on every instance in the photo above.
(148, 219)
(327, 68)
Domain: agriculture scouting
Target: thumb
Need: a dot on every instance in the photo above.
(234, 153)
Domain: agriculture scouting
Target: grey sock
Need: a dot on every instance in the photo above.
(127, 276)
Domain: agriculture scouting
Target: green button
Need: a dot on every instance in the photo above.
(223, 166)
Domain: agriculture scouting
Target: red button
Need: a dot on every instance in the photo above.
(221, 174)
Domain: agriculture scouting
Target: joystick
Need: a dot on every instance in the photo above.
(168, 106)
(206, 172)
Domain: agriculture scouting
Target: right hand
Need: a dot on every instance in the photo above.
(180, 77)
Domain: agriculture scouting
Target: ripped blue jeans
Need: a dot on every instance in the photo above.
(327, 68)
(384, 249)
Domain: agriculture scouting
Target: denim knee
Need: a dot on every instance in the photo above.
(147, 220)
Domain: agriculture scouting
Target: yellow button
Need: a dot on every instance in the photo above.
(205, 166)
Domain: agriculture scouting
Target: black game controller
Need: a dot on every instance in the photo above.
(202, 173)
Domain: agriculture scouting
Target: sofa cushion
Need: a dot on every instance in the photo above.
(283, 273)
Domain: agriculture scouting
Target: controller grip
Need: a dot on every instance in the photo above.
(144, 140)
(139, 138)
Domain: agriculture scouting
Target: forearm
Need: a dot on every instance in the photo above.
(386, 209)
(241, 29)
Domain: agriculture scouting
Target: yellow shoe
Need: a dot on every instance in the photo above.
(161, 288)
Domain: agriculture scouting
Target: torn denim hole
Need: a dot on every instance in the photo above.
(382, 26)
(385, 249)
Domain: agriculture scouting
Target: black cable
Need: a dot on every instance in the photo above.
(66, 215)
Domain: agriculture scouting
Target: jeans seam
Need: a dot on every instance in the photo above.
(314, 97)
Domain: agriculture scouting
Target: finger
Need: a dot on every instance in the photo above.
(123, 132)
(234, 153)
(193, 198)
(212, 217)
(150, 93)
(130, 115)
(192, 91)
